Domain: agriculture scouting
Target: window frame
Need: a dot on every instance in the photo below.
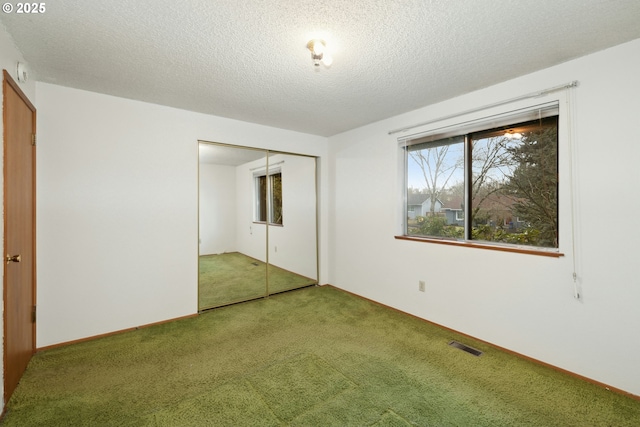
(463, 128)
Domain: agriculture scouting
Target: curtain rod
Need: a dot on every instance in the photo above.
(485, 107)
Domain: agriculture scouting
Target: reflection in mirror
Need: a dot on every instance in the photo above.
(257, 223)
(292, 247)
(232, 249)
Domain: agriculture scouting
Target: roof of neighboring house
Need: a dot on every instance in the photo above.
(494, 202)
(455, 203)
(498, 202)
(419, 198)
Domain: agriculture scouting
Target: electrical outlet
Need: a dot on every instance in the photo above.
(421, 285)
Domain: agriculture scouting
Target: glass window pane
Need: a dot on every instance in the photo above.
(435, 188)
(514, 185)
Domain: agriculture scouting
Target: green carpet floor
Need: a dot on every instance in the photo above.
(314, 357)
(233, 277)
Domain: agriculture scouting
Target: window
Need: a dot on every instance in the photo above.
(495, 183)
(268, 191)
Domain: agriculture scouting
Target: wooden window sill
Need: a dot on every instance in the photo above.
(520, 250)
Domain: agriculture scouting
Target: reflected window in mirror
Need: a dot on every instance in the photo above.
(268, 198)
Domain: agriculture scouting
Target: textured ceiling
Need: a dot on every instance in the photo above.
(247, 59)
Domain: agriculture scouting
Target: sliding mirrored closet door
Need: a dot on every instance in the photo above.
(257, 222)
(232, 250)
(292, 244)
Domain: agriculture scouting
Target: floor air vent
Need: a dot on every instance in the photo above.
(466, 348)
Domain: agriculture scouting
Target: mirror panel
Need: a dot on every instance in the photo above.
(232, 248)
(292, 245)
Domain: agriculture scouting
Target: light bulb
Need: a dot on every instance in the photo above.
(318, 47)
(510, 134)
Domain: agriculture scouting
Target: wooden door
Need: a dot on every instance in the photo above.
(19, 233)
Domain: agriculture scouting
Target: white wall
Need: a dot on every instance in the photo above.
(118, 208)
(9, 57)
(522, 302)
(217, 209)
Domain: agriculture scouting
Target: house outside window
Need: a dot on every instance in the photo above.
(493, 184)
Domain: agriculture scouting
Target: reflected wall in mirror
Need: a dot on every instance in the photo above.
(257, 222)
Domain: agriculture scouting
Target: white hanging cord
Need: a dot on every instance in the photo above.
(576, 287)
(486, 107)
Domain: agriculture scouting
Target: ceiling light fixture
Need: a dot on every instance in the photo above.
(513, 135)
(319, 53)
